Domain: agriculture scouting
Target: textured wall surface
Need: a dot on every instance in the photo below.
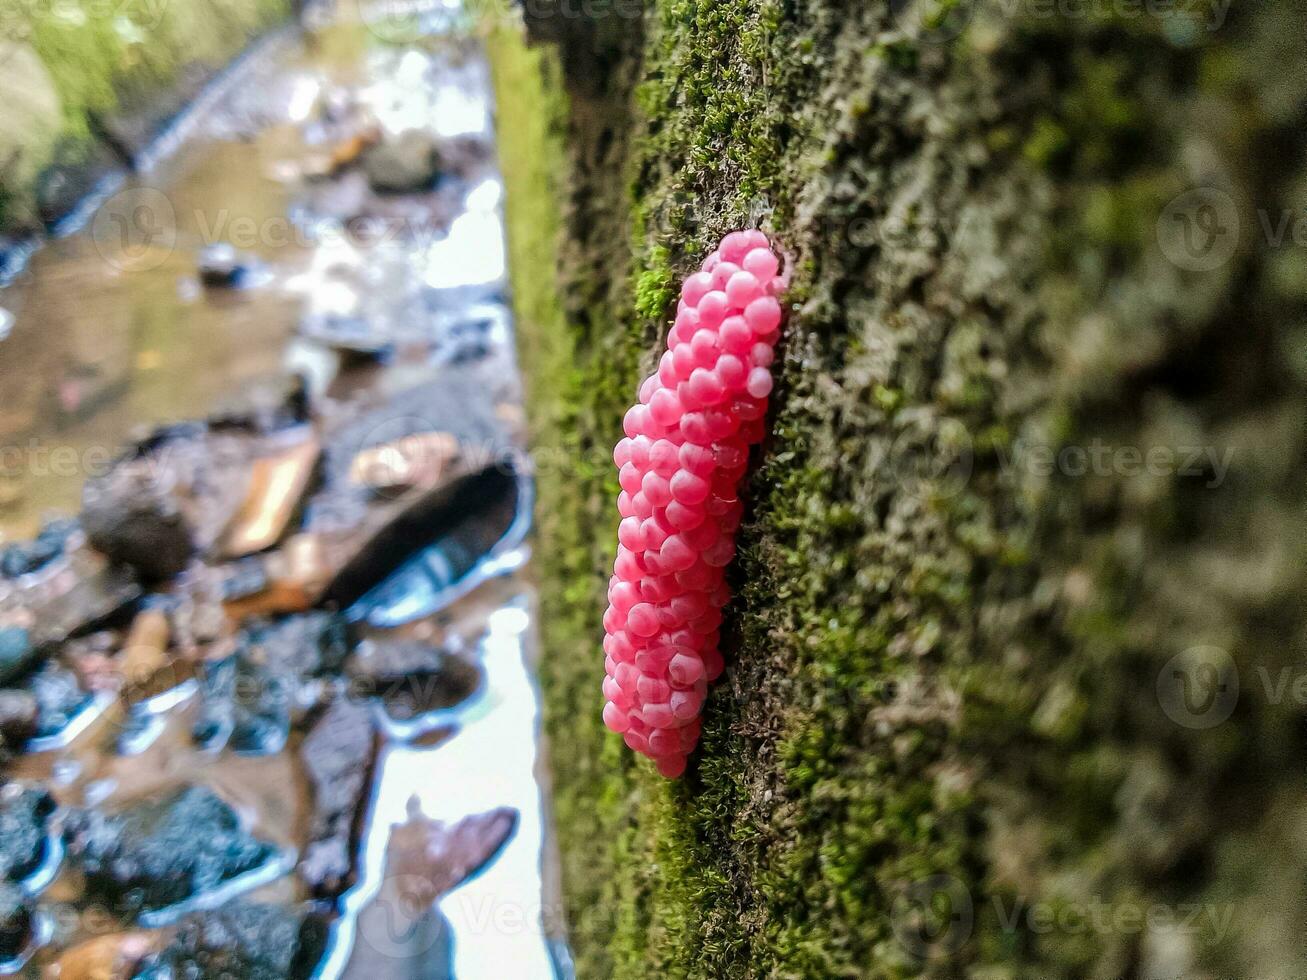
(1017, 659)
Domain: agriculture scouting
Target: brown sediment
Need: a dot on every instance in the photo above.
(112, 957)
(145, 666)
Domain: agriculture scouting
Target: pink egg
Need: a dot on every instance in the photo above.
(664, 407)
(743, 289)
(696, 288)
(735, 246)
(762, 264)
(689, 488)
(732, 371)
(735, 335)
(759, 383)
(641, 506)
(664, 457)
(667, 371)
(703, 346)
(647, 388)
(723, 275)
(683, 517)
(676, 555)
(642, 620)
(707, 387)
(672, 766)
(616, 719)
(685, 670)
(763, 315)
(640, 447)
(713, 309)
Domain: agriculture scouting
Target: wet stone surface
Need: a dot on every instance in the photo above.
(162, 852)
(18, 720)
(242, 942)
(131, 517)
(26, 557)
(59, 697)
(339, 753)
(25, 814)
(16, 923)
(411, 677)
(17, 653)
(252, 698)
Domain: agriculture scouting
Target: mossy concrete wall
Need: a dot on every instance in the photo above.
(63, 66)
(1018, 648)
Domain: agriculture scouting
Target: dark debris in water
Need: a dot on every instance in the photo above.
(26, 557)
(25, 813)
(243, 941)
(159, 853)
(339, 754)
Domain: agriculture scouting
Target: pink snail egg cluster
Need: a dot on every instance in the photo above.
(680, 465)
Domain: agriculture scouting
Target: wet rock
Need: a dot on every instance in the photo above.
(400, 935)
(305, 646)
(351, 335)
(163, 851)
(222, 266)
(477, 517)
(17, 653)
(411, 677)
(419, 460)
(25, 557)
(17, 924)
(171, 495)
(465, 156)
(252, 697)
(84, 596)
(442, 532)
(255, 723)
(339, 755)
(265, 404)
(112, 957)
(242, 941)
(60, 698)
(18, 718)
(131, 517)
(25, 813)
(403, 164)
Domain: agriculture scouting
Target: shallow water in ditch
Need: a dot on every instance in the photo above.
(115, 331)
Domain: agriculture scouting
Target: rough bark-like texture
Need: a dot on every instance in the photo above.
(1019, 607)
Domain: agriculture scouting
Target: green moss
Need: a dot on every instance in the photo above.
(105, 57)
(653, 290)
